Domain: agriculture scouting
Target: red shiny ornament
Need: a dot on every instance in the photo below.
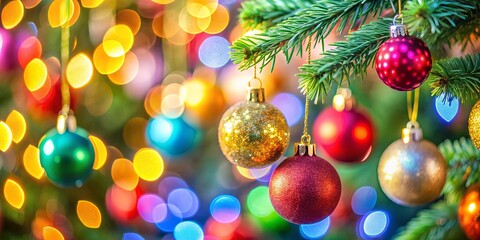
(304, 189)
(345, 136)
(403, 63)
(469, 212)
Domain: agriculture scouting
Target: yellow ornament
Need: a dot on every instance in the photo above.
(474, 124)
(253, 134)
(412, 171)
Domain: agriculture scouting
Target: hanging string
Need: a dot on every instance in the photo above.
(64, 52)
(413, 108)
(399, 8)
(306, 137)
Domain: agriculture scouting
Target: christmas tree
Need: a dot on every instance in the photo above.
(111, 119)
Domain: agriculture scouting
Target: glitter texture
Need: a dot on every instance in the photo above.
(253, 134)
(305, 189)
(474, 124)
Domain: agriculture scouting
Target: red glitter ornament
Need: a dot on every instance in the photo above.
(469, 212)
(343, 132)
(304, 188)
(403, 62)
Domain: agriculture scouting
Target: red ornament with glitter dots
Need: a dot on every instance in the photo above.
(403, 62)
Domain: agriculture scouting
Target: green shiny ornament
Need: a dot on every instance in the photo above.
(67, 158)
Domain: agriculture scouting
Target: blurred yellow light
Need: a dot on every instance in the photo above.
(14, 193)
(148, 164)
(18, 126)
(6, 136)
(12, 14)
(195, 90)
(29, 4)
(220, 19)
(130, 18)
(124, 175)
(134, 133)
(191, 24)
(100, 152)
(173, 105)
(74, 18)
(153, 101)
(91, 3)
(163, 1)
(127, 72)
(31, 162)
(165, 24)
(52, 233)
(57, 12)
(245, 172)
(104, 63)
(201, 8)
(98, 98)
(113, 48)
(89, 214)
(122, 34)
(35, 74)
(79, 70)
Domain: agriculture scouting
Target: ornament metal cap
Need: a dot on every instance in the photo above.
(412, 132)
(398, 30)
(66, 120)
(305, 148)
(255, 94)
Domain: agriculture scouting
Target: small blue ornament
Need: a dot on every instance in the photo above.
(447, 108)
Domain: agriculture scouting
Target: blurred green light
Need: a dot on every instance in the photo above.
(258, 202)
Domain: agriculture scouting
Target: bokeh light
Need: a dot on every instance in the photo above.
(219, 20)
(364, 200)
(14, 193)
(188, 231)
(30, 49)
(52, 233)
(148, 164)
(98, 98)
(89, 214)
(373, 224)
(169, 184)
(146, 205)
(35, 74)
(225, 208)
(29, 4)
(121, 204)
(127, 72)
(57, 12)
(258, 202)
(132, 236)
(119, 33)
(315, 230)
(79, 70)
(12, 14)
(290, 106)
(17, 124)
(91, 3)
(133, 132)
(31, 162)
(130, 18)
(100, 152)
(104, 63)
(171, 219)
(446, 108)
(185, 200)
(6, 139)
(123, 174)
(214, 52)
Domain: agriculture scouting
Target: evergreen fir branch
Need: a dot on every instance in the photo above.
(434, 223)
(463, 167)
(456, 77)
(263, 14)
(348, 57)
(317, 20)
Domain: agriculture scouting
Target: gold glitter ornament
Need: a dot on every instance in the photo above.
(253, 134)
(412, 171)
(474, 124)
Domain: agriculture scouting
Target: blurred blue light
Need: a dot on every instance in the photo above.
(225, 208)
(169, 184)
(214, 52)
(290, 106)
(364, 200)
(445, 108)
(172, 218)
(315, 230)
(132, 236)
(373, 224)
(188, 231)
(34, 28)
(146, 204)
(185, 200)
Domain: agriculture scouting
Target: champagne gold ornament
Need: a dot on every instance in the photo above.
(474, 124)
(412, 171)
(253, 134)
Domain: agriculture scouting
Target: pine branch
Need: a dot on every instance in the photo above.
(348, 57)
(319, 19)
(463, 159)
(434, 223)
(263, 14)
(457, 77)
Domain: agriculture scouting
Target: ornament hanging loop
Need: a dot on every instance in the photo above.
(66, 121)
(412, 132)
(255, 79)
(305, 139)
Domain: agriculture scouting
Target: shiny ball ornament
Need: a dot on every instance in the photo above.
(469, 212)
(343, 134)
(67, 158)
(412, 171)
(253, 134)
(403, 62)
(304, 188)
(172, 137)
(474, 124)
